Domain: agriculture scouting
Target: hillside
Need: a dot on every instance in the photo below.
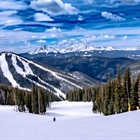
(23, 73)
(73, 121)
(97, 68)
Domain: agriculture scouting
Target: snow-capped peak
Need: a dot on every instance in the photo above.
(44, 49)
(78, 48)
(70, 49)
(85, 48)
(109, 48)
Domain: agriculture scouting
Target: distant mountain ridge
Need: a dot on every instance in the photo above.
(72, 48)
(83, 51)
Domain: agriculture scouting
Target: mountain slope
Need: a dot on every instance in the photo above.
(23, 73)
(95, 67)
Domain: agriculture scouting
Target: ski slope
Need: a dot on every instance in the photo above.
(17, 69)
(74, 121)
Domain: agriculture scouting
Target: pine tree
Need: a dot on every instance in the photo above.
(41, 101)
(112, 98)
(138, 90)
(126, 89)
(15, 99)
(99, 99)
(28, 100)
(133, 95)
(35, 100)
(108, 105)
(117, 92)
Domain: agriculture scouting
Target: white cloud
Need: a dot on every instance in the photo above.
(12, 5)
(8, 13)
(42, 17)
(9, 18)
(41, 41)
(107, 36)
(125, 37)
(113, 17)
(80, 18)
(55, 32)
(92, 39)
(34, 36)
(67, 42)
(53, 7)
(78, 29)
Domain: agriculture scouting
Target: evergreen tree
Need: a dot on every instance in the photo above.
(35, 100)
(15, 99)
(138, 90)
(133, 95)
(117, 92)
(28, 100)
(126, 89)
(108, 105)
(41, 101)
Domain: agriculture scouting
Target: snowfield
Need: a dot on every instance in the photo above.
(74, 121)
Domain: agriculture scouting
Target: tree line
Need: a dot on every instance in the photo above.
(34, 101)
(118, 95)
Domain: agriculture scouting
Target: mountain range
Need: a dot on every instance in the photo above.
(73, 48)
(78, 66)
(83, 50)
(95, 62)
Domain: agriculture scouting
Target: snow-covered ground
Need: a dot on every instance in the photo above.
(74, 121)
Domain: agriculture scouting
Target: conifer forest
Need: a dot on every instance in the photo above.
(35, 101)
(118, 95)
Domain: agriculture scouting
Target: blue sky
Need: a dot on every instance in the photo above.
(27, 24)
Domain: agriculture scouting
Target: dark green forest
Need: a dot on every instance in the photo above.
(118, 95)
(35, 101)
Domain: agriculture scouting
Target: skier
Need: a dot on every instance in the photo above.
(54, 119)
